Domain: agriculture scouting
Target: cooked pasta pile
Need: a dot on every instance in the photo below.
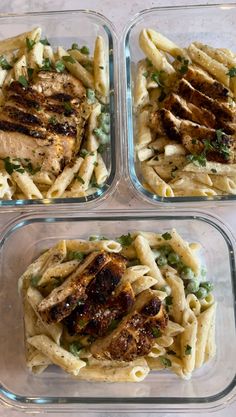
(113, 310)
(54, 118)
(184, 100)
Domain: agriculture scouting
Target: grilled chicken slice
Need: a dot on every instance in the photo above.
(64, 299)
(97, 319)
(204, 83)
(45, 121)
(135, 334)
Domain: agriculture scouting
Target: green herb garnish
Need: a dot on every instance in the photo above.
(47, 65)
(4, 63)
(166, 236)
(214, 171)
(101, 67)
(30, 43)
(165, 361)
(23, 81)
(232, 72)
(52, 120)
(44, 41)
(34, 280)
(125, 240)
(198, 160)
(68, 58)
(75, 348)
(84, 50)
(114, 323)
(148, 62)
(83, 153)
(59, 66)
(168, 300)
(30, 72)
(78, 256)
(10, 167)
(67, 106)
(156, 76)
(188, 350)
(74, 46)
(156, 332)
(80, 179)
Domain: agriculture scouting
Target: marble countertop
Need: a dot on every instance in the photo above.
(119, 12)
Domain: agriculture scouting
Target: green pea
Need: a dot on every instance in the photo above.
(165, 250)
(162, 260)
(201, 293)
(207, 285)
(187, 273)
(173, 258)
(90, 95)
(104, 118)
(102, 136)
(192, 286)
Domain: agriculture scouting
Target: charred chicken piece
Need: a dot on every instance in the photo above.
(135, 334)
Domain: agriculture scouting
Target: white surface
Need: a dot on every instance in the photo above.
(118, 11)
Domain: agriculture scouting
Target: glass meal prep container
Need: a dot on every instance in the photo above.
(63, 29)
(211, 387)
(210, 24)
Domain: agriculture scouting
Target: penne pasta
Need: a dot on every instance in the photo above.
(77, 69)
(100, 67)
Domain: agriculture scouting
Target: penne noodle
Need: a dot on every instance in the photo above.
(77, 69)
(100, 67)
(100, 170)
(92, 142)
(19, 41)
(64, 179)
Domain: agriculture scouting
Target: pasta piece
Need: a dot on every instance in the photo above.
(81, 184)
(134, 371)
(92, 142)
(207, 302)
(56, 256)
(58, 271)
(141, 97)
(7, 187)
(165, 341)
(54, 330)
(161, 362)
(77, 69)
(146, 257)
(193, 304)
(165, 44)
(218, 70)
(227, 184)
(37, 362)
(210, 350)
(26, 184)
(134, 272)
(18, 41)
(100, 170)
(160, 143)
(57, 354)
(144, 136)
(143, 283)
(173, 150)
(100, 67)
(144, 154)
(188, 341)
(178, 296)
(154, 239)
(48, 53)
(87, 246)
(151, 51)
(43, 177)
(3, 74)
(156, 183)
(20, 68)
(204, 324)
(181, 247)
(81, 58)
(35, 56)
(213, 168)
(156, 351)
(64, 179)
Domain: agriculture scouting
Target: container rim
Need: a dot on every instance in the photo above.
(107, 189)
(128, 134)
(60, 404)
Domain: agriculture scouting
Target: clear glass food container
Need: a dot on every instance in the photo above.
(62, 29)
(209, 24)
(211, 387)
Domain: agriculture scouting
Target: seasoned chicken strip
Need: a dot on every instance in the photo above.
(135, 335)
(63, 299)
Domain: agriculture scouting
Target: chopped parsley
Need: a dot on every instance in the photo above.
(10, 167)
(168, 300)
(102, 147)
(198, 160)
(148, 62)
(75, 348)
(34, 280)
(80, 179)
(114, 323)
(67, 106)
(145, 74)
(188, 350)
(184, 67)
(214, 171)
(165, 361)
(101, 67)
(156, 76)
(95, 163)
(125, 240)
(194, 141)
(52, 120)
(74, 46)
(30, 44)
(84, 50)
(232, 72)
(47, 65)
(162, 96)
(156, 332)
(30, 72)
(166, 236)
(78, 256)
(4, 63)
(83, 153)
(23, 81)
(44, 41)
(173, 171)
(59, 66)
(68, 58)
